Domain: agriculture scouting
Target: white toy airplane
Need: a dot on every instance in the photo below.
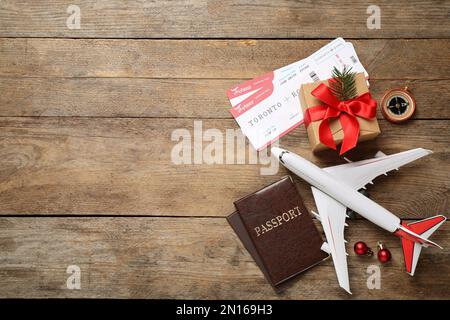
(336, 188)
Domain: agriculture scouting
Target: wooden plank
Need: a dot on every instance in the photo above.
(225, 18)
(191, 258)
(86, 166)
(187, 98)
(384, 59)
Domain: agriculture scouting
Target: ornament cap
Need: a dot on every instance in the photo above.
(384, 255)
(362, 249)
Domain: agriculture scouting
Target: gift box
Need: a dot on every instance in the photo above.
(330, 121)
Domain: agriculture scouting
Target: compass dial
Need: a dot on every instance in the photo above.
(398, 105)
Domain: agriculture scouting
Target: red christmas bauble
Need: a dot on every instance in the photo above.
(361, 248)
(384, 255)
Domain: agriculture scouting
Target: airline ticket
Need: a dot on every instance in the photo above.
(268, 107)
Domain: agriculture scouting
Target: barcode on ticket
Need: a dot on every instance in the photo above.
(314, 76)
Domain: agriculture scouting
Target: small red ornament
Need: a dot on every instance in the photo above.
(362, 249)
(384, 255)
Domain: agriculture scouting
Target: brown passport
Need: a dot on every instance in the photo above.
(276, 229)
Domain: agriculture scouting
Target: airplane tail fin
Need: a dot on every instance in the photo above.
(414, 236)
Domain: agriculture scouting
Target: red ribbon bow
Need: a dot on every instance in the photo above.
(362, 106)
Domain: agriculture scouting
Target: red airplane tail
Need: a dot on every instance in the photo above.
(414, 236)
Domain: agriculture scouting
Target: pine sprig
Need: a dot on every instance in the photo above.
(343, 86)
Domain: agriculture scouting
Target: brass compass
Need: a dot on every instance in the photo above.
(398, 105)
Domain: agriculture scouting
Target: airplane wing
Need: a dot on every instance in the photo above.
(358, 174)
(332, 215)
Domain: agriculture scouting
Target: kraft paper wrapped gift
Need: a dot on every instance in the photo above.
(368, 128)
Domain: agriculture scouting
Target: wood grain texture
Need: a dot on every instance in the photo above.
(89, 166)
(85, 130)
(191, 258)
(162, 98)
(384, 59)
(225, 19)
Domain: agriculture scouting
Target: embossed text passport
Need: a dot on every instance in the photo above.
(276, 229)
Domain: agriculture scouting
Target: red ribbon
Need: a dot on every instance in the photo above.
(362, 106)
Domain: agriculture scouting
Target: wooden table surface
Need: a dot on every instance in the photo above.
(87, 116)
